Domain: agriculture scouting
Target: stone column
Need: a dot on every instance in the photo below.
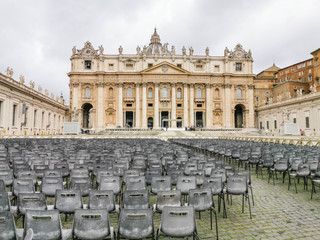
(185, 105)
(144, 105)
(156, 106)
(100, 105)
(227, 103)
(75, 96)
(120, 109)
(192, 104)
(138, 124)
(250, 122)
(173, 105)
(208, 105)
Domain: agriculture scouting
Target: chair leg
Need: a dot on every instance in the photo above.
(249, 207)
(215, 214)
(295, 184)
(242, 203)
(289, 182)
(251, 195)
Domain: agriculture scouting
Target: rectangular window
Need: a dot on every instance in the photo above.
(275, 124)
(287, 71)
(310, 71)
(14, 115)
(292, 69)
(267, 124)
(179, 105)
(307, 122)
(217, 68)
(35, 118)
(310, 78)
(257, 99)
(299, 79)
(238, 66)
(199, 67)
(179, 65)
(150, 105)
(150, 94)
(317, 80)
(1, 106)
(260, 125)
(129, 66)
(111, 66)
(150, 65)
(26, 116)
(87, 64)
(199, 105)
(287, 78)
(316, 62)
(129, 105)
(304, 73)
(294, 120)
(42, 119)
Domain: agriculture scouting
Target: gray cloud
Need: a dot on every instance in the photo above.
(37, 36)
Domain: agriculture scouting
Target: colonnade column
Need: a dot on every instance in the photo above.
(120, 107)
(144, 105)
(208, 105)
(251, 106)
(75, 100)
(100, 103)
(192, 104)
(185, 105)
(228, 110)
(138, 124)
(173, 105)
(156, 106)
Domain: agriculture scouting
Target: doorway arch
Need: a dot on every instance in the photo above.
(238, 116)
(87, 119)
(150, 122)
(179, 123)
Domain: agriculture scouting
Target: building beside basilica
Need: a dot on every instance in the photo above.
(159, 86)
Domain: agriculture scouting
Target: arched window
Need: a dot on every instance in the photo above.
(179, 95)
(129, 92)
(150, 93)
(217, 93)
(165, 92)
(239, 93)
(87, 92)
(199, 93)
(111, 92)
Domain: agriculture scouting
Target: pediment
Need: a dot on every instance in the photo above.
(165, 68)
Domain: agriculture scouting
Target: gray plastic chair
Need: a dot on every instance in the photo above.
(178, 222)
(102, 199)
(91, 224)
(81, 183)
(160, 184)
(46, 224)
(238, 185)
(136, 199)
(135, 183)
(201, 200)
(7, 226)
(7, 177)
(4, 201)
(185, 183)
(67, 201)
(50, 185)
(171, 198)
(135, 224)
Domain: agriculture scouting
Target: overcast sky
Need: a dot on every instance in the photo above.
(37, 36)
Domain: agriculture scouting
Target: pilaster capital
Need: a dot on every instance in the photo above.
(227, 85)
(191, 85)
(119, 85)
(75, 84)
(173, 84)
(100, 84)
(156, 84)
(251, 86)
(144, 84)
(208, 85)
(186, 85)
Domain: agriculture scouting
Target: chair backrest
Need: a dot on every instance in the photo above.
(49, 185)
(244, 173)
(136, 183)
(303, 169)
(31, 201)
(63, 168)
(220, 172)
(135, 223)
(168, 198)
(23, 186)
(56, 173)
(160, 183)
(111, 183)
(4, 201)
(101, 199)
(200, 199)
(185, 183)
(7, 176)
(67, 200)
(178, 221)
(136, 199)
(7, 226)
(102, 172)
(39, 170)
(91, 222)
(237, 185)
(81, 183)
(45, 224)
(215, 183)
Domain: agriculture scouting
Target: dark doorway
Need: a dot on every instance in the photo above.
(87, 116)
(129, 119)
(150, 122)
(199, 119)
(238, 116)
(179, 123)
(164, 115)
